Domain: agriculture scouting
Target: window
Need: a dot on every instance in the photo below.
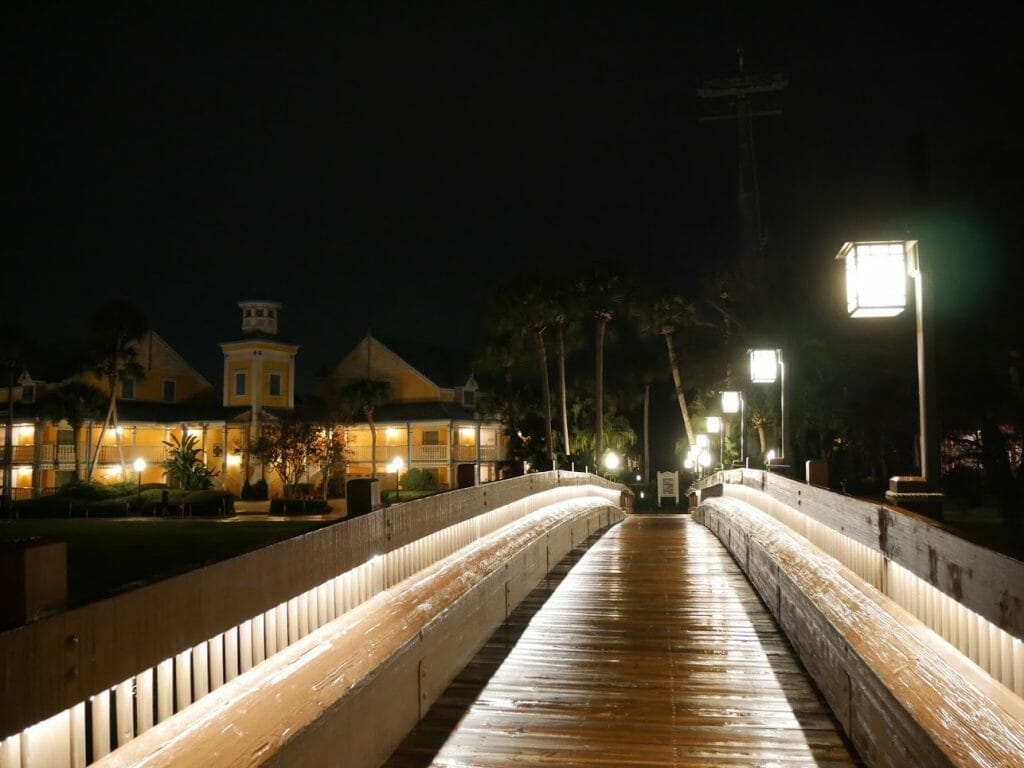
(274, 385)
(169, 390)
(248, 313)
(240, 383)
(259, 313)
(431, 438)
(468, 398)
(28, 393)
(127, 388)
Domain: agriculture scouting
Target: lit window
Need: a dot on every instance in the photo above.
(169, 390)
(274, 385)
(127, 388)
(240, 383)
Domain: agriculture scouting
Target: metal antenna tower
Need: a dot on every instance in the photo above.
(741, 98)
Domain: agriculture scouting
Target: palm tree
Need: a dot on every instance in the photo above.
(561, 317)
(522, 313)
(368, 395)
(603, 291)
(15, 346)
(665, 316)
(76, 403)
(117, 328)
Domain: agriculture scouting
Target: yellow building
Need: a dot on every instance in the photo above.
(425, 425)
(170, 399)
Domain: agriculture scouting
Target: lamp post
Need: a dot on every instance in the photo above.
(396, 465)
(732, 402)
(713, 425)
(767, 365)
(611, 461)
(876, 286)
(139, 465)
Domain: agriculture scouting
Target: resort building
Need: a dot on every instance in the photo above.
(424, 425)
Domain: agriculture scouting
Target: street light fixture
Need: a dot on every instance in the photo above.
(139, 465)
(611, 461)
(876, 286)
(732, 402)
(713, 424)
(396, 465)
(767, 366)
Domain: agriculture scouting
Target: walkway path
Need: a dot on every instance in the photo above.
(652, 651)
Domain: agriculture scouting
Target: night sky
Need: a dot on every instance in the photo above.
(381, 165)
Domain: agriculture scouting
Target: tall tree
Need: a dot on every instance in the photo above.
(75, 402)
(603, 291)
(117, 327)
(368, 395)
(15, 346)
(562, 306)
(664, 317)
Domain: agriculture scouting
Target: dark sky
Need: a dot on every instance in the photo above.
(382, 164)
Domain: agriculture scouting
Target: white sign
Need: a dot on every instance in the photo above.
(668, 485)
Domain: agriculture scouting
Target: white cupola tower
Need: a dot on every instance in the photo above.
(259, 316)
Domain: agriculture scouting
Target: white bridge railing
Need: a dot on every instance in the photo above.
(971, 596)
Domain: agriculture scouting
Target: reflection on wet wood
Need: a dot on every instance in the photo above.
(653, 650)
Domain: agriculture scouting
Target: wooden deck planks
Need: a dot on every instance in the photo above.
(652, 650)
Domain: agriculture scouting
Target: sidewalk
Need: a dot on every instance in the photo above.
(261, 509)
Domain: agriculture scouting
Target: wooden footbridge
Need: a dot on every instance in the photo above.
(537, 622)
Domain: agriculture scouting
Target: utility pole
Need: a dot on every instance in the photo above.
(743, 97)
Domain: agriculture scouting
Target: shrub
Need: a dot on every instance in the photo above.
(419, 480)
(254, 491)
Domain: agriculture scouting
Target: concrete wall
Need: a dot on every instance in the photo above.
(347, 694)
(903, 696)
(50, 665)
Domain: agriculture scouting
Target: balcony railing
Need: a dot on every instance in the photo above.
(23, 454)
(430, 453)
(424, 453)
(153, 454)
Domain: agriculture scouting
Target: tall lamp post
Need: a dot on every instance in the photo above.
(396, 465)
(139, 465)
(713, 425)
(767, 366)
(876, 286)
(732, 402)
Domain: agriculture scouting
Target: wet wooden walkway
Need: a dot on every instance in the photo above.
(651, 650)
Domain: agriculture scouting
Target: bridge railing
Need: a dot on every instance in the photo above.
(81, 683)
(903, 696)
(972, 596)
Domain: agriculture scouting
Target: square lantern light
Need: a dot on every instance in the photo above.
(730, 402)
(713, 425)
(764, 365)
(876, 276)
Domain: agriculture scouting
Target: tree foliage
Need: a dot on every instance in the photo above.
(292, 446)
(185, 467)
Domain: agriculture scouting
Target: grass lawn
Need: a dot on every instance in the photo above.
(109, 556)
